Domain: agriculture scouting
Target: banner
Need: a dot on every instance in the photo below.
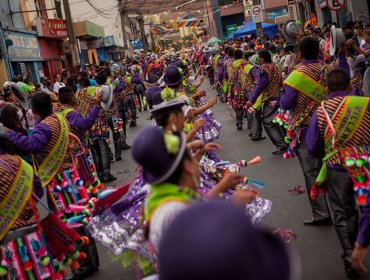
(52, 27)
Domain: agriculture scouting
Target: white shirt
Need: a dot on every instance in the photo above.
(162, 218)
(186, 108)
(45, 89)
(57, 86)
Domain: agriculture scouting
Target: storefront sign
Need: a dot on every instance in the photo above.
(282, 19)
(25, 46)
(335, 5)
(52, 27)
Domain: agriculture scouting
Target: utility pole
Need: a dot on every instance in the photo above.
(142, 32)
(123, 14)
(71, 37)
(217, 18)
(258, 24)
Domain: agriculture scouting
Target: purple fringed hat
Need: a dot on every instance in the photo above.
(164, 101)
(172, 76)
(216, 241)
(159, 153)
(150, 93)
(180, 64)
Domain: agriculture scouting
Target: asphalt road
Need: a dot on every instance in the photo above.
(317, 248)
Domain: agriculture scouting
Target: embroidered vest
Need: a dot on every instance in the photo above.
(360, 137)
(16, 185)
(305, 107)
(56, 130)
(274, 87)
(229, 67)
(84, 100)
(246, 78)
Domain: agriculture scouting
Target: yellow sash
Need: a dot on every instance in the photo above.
(15, 201)
(53, 161)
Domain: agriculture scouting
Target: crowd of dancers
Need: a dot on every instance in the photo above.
(55, 140)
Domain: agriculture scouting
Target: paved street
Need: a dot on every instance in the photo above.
(317, 249)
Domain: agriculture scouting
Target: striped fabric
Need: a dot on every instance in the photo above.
(7, 176)
(247, 80)
(84, 100)
(55, 128)
(305, 107)
(275, 80)
(229, 67)
(361, 136)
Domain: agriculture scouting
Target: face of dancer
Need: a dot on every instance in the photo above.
(176, 121)
(190, 173)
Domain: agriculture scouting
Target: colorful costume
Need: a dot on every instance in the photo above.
(98, 136)
(210, 131)
(68, 195)
(302, 97)
(339, 133)
(263, 96)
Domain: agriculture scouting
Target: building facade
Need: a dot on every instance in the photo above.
(352, 10)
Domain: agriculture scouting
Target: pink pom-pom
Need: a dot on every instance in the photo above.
(287, 155)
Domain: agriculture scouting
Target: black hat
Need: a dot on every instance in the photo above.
(172, 76)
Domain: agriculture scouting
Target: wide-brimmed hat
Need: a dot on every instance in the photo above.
(366, 83)
(172, 76)
(206, 50)
(290, 30)
(107, 99)
(165, 100)
(115, 67)
(21, 97)
(180, 64)
(337, 37)
(150, 94)
(158, 153)
(196, 246)
(254, 59)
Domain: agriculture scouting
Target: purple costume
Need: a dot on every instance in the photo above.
(261, 85)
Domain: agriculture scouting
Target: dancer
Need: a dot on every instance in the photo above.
(302, 99)
(340, 127)
(174, 176)
(241, 252)
(264, 102)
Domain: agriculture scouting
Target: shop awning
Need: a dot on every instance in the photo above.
(250, 29)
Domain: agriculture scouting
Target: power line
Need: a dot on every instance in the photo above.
(103, 14)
